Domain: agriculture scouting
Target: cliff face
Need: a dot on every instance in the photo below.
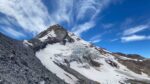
(57, 56)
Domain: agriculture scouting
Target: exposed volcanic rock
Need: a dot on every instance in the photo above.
(53, 34)
(18, 65)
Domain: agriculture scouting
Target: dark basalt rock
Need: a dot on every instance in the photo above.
(111, 63)
(19, 65)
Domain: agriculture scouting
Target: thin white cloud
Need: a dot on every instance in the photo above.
(126, 23)
(113, 40)
(63, 11)
(79, 29)
(13, 33)
(93, 7)
(107, 26)
(134, 38)
(134, 30)
(95, 39)
(148, 37)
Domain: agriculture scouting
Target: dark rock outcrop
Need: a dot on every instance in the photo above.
(18, 65)
(61, 37)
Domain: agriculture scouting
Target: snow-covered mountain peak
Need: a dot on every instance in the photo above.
(63, 53)
(55, 31)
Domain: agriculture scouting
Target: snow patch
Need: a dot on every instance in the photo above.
(42, 82)
(126, 58)
(50, 34)
(25, 42)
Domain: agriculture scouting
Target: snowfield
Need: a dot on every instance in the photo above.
(48, 55)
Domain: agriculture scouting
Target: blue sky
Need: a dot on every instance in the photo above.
(117, 25)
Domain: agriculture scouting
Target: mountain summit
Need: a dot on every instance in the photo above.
(56, 56)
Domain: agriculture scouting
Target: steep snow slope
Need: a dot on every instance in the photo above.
(50, 55)
(86, 59)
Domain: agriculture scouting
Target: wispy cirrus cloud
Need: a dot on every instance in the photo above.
(83, 27)
(95, 39)
(135, 38)
(13, 33)
(35, 16)
(131, 34)
(107, 26)
(31, 15)
(91, 8)
(136, 29)
(63, 11)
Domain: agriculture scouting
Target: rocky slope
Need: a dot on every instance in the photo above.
(134, 62)
(57, 56)
(18, 65)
